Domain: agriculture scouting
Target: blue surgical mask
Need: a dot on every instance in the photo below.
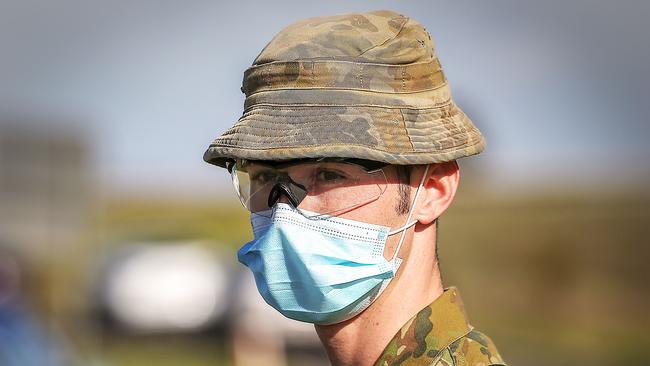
(321, 271)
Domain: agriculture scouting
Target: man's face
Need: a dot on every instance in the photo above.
(384, 211)
(342, 189)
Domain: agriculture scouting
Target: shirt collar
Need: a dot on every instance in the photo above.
(430, 331)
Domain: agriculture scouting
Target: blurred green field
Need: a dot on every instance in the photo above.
(555, 279)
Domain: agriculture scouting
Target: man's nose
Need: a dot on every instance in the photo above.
(287, 192)
(283, 199)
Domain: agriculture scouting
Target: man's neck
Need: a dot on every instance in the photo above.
(361, 340)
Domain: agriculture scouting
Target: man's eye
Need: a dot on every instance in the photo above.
(264, 176)
(329, 176)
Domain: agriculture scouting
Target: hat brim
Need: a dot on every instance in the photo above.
(394, 135)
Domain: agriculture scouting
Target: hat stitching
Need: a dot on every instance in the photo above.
(433, 60)
(351, 144)
(316, 88)
(333, 88)
(293, 107)
(235, 131)
(406, 19)
(401, 113)
(348, 145)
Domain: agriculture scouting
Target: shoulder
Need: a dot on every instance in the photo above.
(440, 335)
(472, 349)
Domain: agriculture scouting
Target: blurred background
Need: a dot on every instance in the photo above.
(117, 243)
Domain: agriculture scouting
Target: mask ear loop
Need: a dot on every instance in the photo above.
(409, 224)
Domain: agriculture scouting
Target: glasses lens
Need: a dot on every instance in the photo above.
(332, 187)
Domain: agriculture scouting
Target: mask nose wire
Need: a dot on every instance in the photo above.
(408, 219)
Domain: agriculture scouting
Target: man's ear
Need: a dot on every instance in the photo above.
(437, 192)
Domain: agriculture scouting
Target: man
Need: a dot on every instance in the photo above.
(345, 157)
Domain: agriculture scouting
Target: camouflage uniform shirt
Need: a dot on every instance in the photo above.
(440, 335)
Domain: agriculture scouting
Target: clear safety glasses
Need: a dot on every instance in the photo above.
(314, 187)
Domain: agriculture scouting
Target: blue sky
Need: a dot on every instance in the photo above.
(560, 88)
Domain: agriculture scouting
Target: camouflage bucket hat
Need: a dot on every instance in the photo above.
(366, 86)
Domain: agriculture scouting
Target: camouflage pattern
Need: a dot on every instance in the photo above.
(440, 335)
(366, 86)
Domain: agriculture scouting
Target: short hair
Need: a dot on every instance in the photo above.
(404, 201)
(404, 178)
